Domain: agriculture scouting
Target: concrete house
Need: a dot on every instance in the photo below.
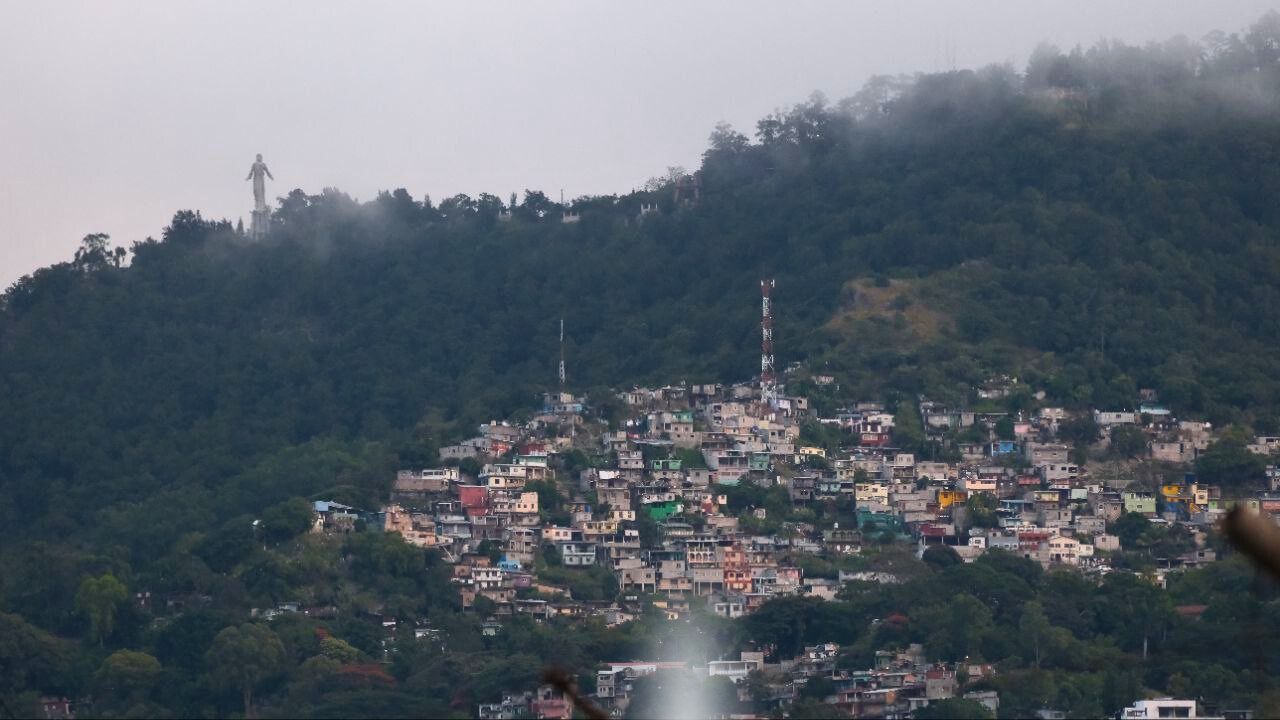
(1107, 418)
(577, 554)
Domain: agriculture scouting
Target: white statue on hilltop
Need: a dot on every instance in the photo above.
(258, 173)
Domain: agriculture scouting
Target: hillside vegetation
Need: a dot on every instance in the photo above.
(1104, 221)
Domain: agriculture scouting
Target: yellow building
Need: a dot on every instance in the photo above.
(947, 498)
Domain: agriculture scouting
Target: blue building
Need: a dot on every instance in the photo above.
(1003, 447)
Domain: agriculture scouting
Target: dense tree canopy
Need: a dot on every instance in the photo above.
(1105, 221)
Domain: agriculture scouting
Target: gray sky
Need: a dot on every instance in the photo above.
(114, 115)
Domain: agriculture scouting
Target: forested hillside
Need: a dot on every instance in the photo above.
(1106, 220)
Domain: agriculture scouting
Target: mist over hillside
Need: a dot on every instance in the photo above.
(1106, 219)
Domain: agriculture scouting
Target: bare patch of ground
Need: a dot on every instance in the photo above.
(864, 299)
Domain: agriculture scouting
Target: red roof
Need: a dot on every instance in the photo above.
(1191, 611)
(366, 673)
(472, 496)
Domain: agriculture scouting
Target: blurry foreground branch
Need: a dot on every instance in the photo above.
(1256, 537)
(561, 681)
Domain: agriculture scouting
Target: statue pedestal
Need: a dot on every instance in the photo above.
(261, 221)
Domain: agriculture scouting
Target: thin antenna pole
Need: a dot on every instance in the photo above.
(768, 379)
(562, 354)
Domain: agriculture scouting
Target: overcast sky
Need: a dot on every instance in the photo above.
(114, 115)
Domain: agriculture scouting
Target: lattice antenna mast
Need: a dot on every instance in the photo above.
(768, 380)
(561, 354)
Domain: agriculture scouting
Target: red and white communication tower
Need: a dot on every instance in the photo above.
(768, 380)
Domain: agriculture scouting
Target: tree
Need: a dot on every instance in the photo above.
(1263, 38)
(981, 510)
(182, 643)
(815, 462)
(483, 606)
(127, 676)
(287, 519)
(536, 204)
(311, 679)
(1004, 428)
(95, 253)
(787, 623)
(224, 547)
(1034, 628)
(817, 688)
(243, 657)
(1129, 527)
(1128, 441)
(99, 600)
(551, 555)
(383, 555)
(490, 549)
(956, 628)
(941, 557)
(1229, 463)
(721, 694)
(1080, 431)
(908, 432)
(727, 140)
(30, 658)
(1132, 611)
(470, 467)
(1111, 221)
(339, 649)
(550, 500)
(953, 709)
(690, 459)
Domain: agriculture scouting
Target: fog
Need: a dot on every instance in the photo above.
(115, 115)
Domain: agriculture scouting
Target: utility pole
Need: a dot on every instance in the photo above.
(768, 378)
(561, 354)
